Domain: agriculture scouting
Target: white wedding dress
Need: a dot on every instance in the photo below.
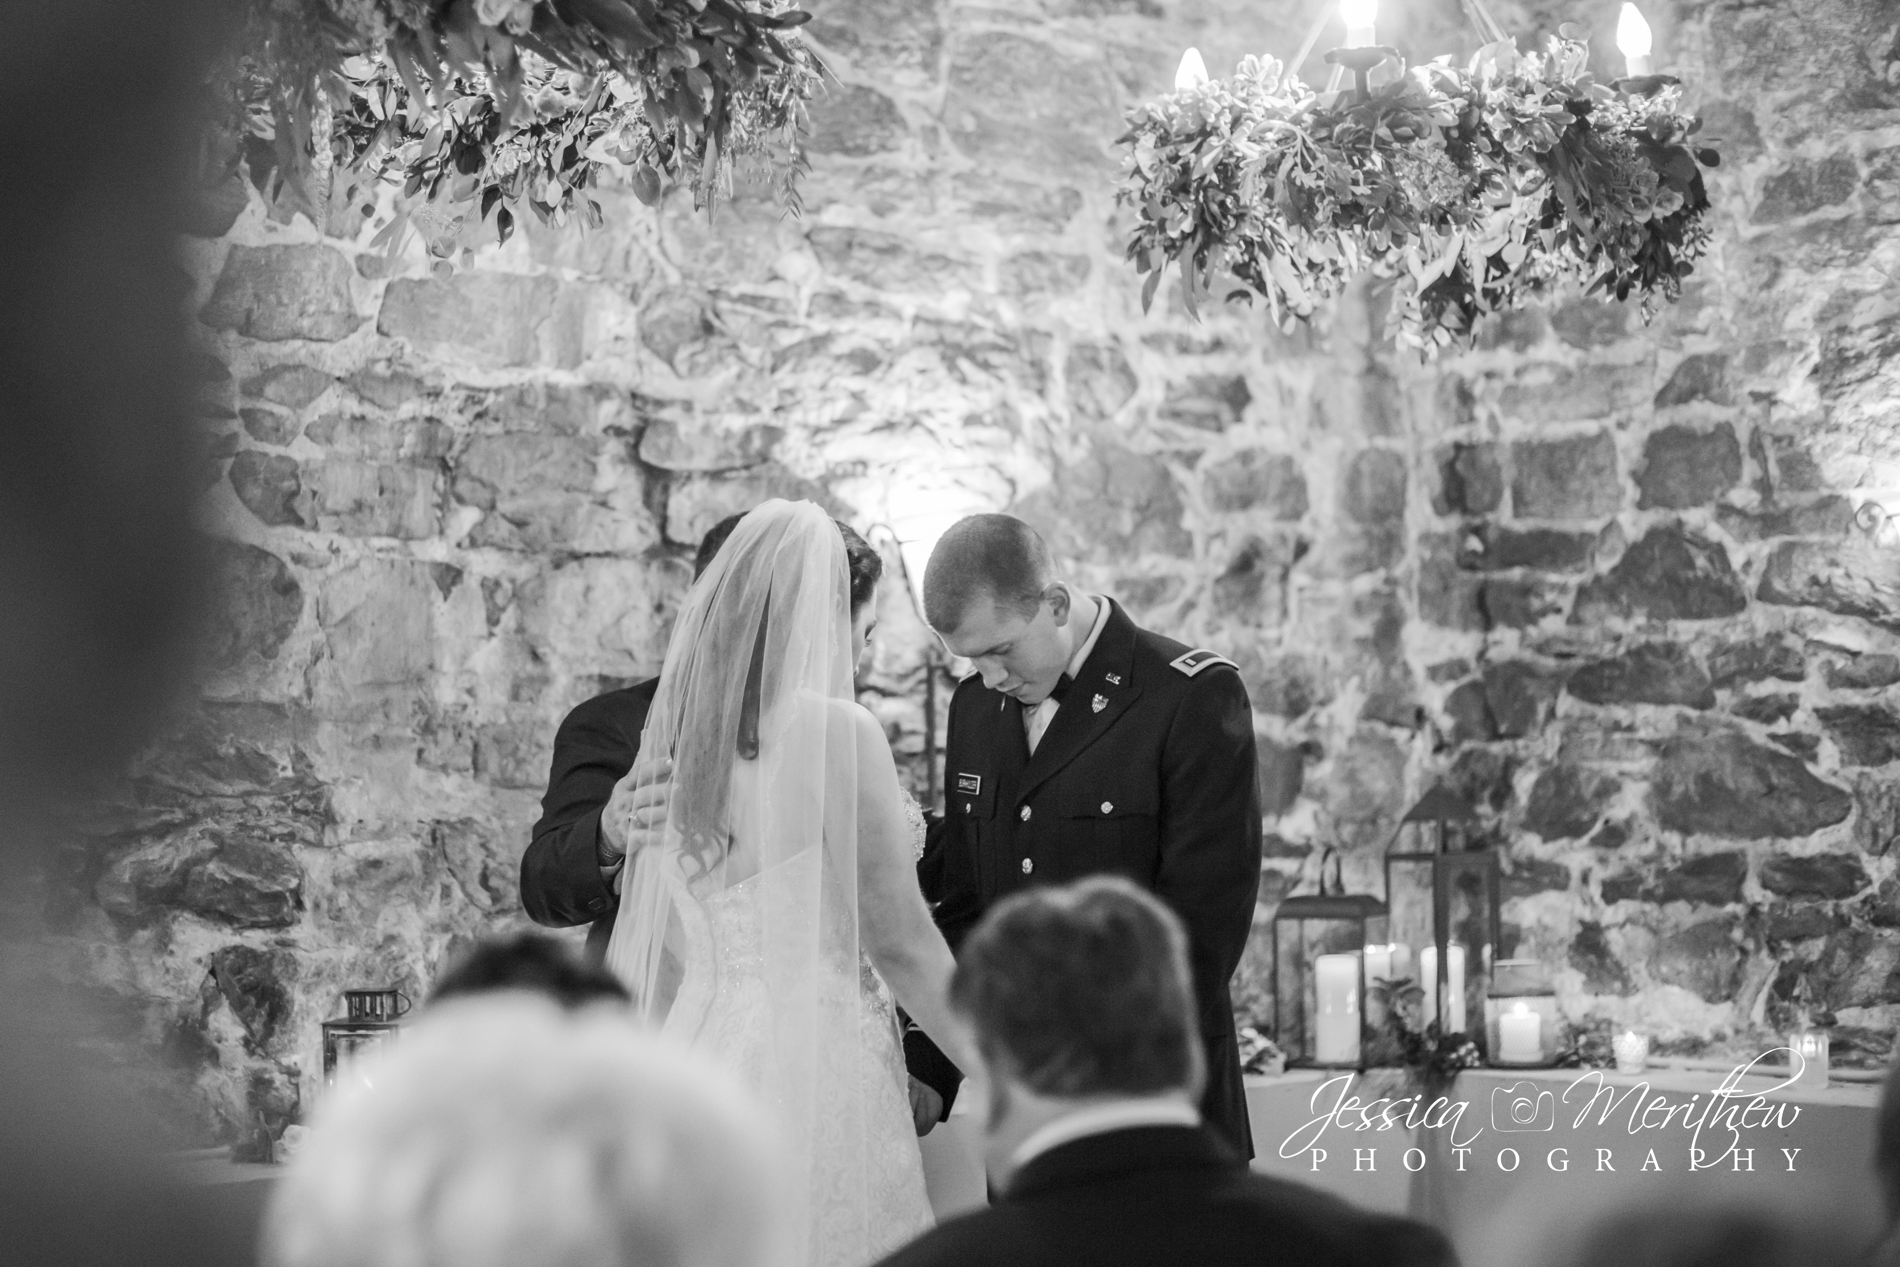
(867, 1174)
(739, 933)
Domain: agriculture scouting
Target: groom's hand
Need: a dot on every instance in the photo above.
(635, 812)
(926, 1107)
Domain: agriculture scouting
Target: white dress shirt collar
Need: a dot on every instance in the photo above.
(1037, 717)
(1082, 653)
(1100, 1119)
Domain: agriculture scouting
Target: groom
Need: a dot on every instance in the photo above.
(1083, 744)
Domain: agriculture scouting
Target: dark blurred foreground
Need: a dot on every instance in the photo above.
(97, 575)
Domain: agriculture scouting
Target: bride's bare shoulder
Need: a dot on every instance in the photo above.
(848, 717)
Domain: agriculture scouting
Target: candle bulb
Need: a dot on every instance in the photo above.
(1632, 1051)
(1360, 16)
(1191, 73)
(1336, 1028)
(1454, 986)
(1633, 41)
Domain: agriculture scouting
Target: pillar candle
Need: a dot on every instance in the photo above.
(1388, 962)
(1454, 986)
(1518, 1034)
(1336, 1027)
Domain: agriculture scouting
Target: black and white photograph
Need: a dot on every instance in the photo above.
(931, 633)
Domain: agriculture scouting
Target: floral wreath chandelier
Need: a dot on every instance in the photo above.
(1474, 188)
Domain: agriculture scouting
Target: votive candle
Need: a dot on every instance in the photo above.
(1520, 1035)
(1632, 1051)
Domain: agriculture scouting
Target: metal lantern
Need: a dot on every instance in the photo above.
(370, 1020)
(1443, 890)
(1320, 943)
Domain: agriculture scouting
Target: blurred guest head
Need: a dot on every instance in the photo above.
(529, 961)
(504, 1131)
(1078, 995)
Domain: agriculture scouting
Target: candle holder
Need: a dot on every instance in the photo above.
(1319, 973)
(1443, 890)
(370, 1021)
(1360, 61)
(1522, 1024)
(1632, 1051)
(1809, 1057)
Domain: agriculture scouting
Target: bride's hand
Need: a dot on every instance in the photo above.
(636, 812)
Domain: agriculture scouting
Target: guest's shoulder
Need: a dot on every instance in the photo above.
(1390, 1239)
(980, 1236)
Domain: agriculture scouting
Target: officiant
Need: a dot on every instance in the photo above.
(1085, 744)
(578, 848)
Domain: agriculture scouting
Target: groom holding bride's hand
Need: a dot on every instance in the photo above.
(1083, 744)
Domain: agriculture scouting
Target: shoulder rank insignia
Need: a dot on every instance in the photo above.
(1194, 661)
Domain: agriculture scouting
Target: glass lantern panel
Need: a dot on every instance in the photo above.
(1300, 944)
(1471, 919)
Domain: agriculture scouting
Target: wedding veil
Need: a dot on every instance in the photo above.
(753, 708)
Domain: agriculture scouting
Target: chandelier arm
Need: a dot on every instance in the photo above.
(1481, 18)
(1312, 38)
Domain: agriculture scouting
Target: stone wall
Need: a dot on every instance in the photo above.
(1607, 579)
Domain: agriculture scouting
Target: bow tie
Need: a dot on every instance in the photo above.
(1061, 688)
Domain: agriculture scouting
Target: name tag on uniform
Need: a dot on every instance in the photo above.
(972, 784)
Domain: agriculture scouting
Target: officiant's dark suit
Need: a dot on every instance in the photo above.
(1147, 770)
(1167, 1194)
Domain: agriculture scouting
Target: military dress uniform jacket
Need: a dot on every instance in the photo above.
(1147, 770)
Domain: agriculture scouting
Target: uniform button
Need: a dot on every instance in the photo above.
(968, 808)
(1108, 807)
(1025, 814)
(1028, 864)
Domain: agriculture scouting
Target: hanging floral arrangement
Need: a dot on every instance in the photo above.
(1474, 188)
(495, 106)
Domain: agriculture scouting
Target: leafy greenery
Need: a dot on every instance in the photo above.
(1474, 187)
(1431, 1055)
(497, 105)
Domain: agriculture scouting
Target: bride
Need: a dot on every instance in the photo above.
(781, 894)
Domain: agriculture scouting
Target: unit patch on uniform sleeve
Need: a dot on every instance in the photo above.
(1194, 661)
(970, 783)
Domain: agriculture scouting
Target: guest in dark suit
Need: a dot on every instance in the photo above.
(597, 785)
(1083, 744)
(1081, 1005)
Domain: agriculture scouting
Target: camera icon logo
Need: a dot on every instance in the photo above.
(1522, 1107)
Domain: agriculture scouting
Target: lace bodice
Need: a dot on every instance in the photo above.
(914, 815)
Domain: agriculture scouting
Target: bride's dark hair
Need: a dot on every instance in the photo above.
(864, 567)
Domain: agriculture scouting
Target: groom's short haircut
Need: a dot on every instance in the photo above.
(1083, 990)
(998, 556)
